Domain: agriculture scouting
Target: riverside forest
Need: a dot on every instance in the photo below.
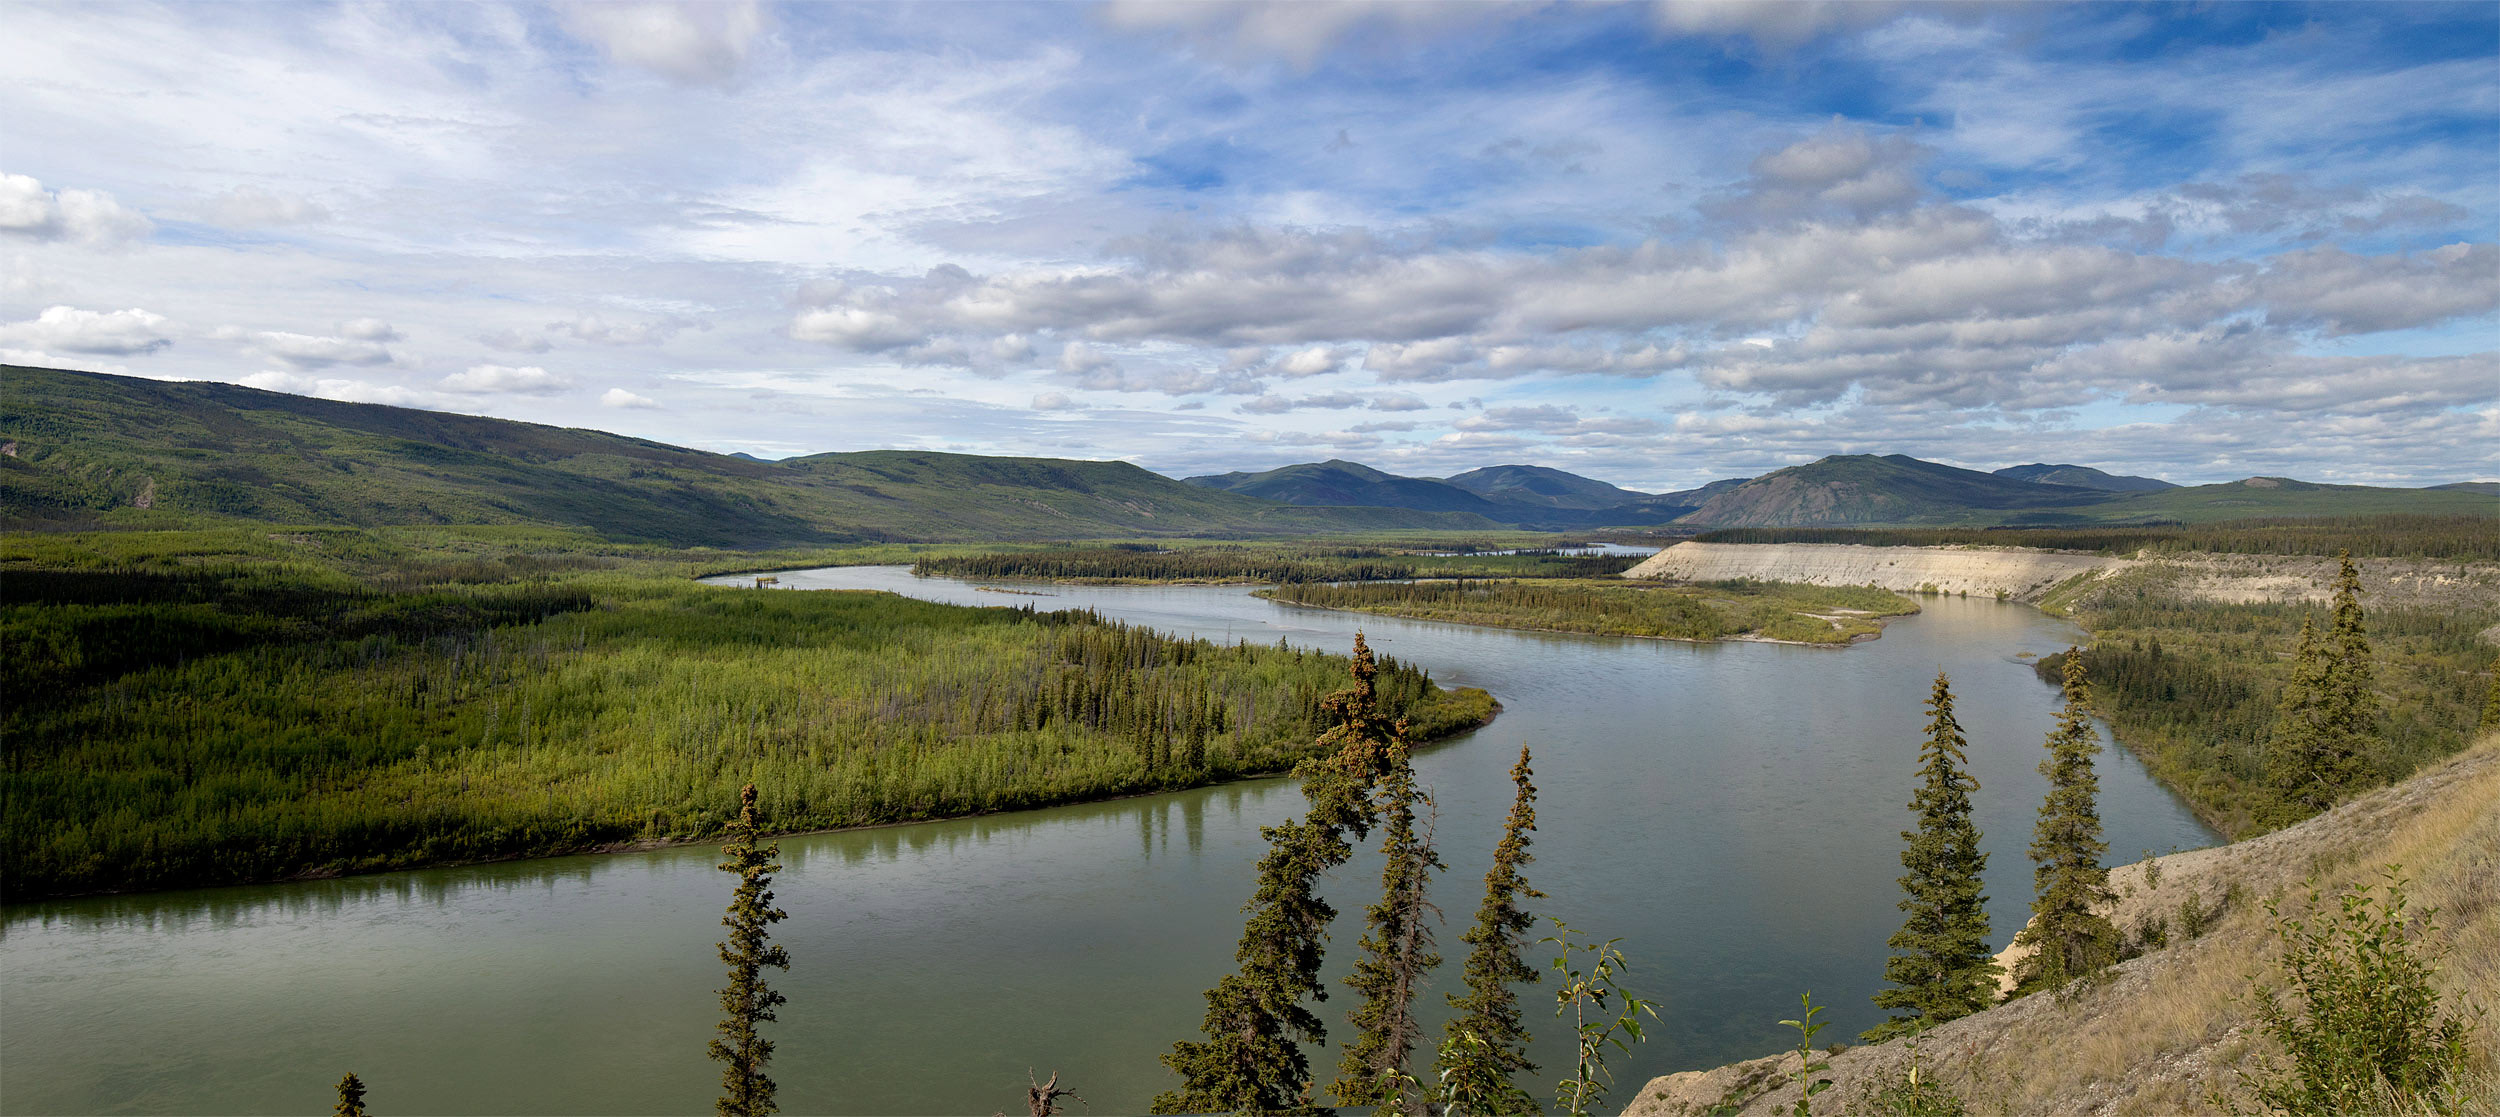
(368, 725)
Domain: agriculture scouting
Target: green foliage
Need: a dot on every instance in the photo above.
(92, 446)
(2068, 935)
(747, 1001)
(1398, 955)
(2491, 700)
(2463, 536)
(2361, 1024)
(1280, 563)
(351, 1097)
(240, 719)
(1256, 1023)
(1588, 996)
(2195, 689)
(1485, 1043)
(1941, 968)
(1716, 611)
(1915, 1093)
(1808, 1064)
(2326, 726)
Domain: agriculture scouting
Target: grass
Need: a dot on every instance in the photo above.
(1715, 611)
(198, 708)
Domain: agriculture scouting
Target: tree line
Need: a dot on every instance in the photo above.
(2391, 535)
(1266, 564)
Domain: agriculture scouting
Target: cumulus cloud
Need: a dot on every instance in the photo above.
(527, 380)
(1324, 401)
(865, 331)
(354, 391)
(619, 397)
(89, 217)
(120, 333)
(309, 351)
(1053, 401)
(369, 329)
(2344, 294)
(1300, 33)
(696, 43)
(516, 341)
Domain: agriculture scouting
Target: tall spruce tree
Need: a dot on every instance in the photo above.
(1398, 955)
(1941, 968)
(2319, 751)
(1486, 1043)
(2491, 700)
(748, 1001)
(351, 1097)
(2068, 935)
(1251, 1059)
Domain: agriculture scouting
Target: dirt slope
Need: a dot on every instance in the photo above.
(2169, 1028)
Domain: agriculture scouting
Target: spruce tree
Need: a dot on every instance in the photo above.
(1251, 1059)
(2491, 699)
(2319, 751)
(1486, 1043)
(747, 1001)
(1398, 955)
(351, 1097)
(1941, 968)
(2068, 935)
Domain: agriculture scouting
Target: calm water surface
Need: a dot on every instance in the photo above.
(1730, 810)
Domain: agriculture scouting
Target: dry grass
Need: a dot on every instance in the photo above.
(2166, 1032)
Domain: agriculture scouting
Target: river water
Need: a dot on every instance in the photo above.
(1731, 811)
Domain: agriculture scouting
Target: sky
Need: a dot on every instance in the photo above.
(1653, 243)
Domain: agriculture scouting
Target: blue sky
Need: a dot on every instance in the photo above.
(1653, 243)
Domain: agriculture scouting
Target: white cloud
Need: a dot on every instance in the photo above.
(85, 216)
(309, 351)
(120, 333)
(599, 330)
(619, 397)
(1053, 401)
(530, 380)
(698, 43)
(516, 341)
(852, 328)
(249, 207)
(369, 329)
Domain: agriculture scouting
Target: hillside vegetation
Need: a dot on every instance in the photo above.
(184, 710)
(110, 451)
(2175, 1028)
(1265, 562)
(1711, 611)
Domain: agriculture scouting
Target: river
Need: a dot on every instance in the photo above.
(1731, 811)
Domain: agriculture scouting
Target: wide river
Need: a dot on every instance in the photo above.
(1731, 811)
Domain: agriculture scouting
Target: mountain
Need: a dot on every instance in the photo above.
(1525, 496)
(2083, 477)
(84, 448)
(1866, 489)
(1338, 482)
(2487, 488)
(1540, 486)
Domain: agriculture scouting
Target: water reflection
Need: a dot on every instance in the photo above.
(1731, 810)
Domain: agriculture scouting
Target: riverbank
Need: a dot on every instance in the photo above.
(2172, 1030)
(1767, 613)
(211, 726)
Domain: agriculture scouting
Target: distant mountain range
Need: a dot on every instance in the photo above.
(86, 449)
(1843, 490)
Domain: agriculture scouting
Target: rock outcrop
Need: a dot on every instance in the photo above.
(2015, 574)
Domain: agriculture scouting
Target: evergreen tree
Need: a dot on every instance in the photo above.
(2069, 936)
(351, 1097)
(1251, 1059)
(2491, 699)
(1398, 953)
(747, 1001)
(1941, 967)
(1486, 1042)
(2319, 750)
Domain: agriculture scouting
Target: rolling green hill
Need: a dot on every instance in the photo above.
(1337, 482)
(1540, 486)
(86, 449)
(2083, 477)
(1866, 489)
